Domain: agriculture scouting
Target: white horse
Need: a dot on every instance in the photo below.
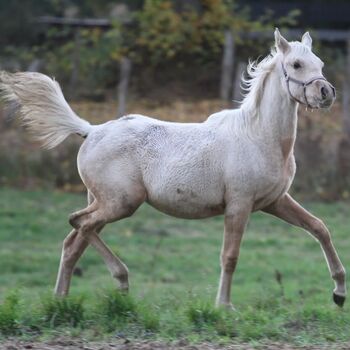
(234, 163)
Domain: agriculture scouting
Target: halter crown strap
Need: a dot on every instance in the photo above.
(304, 84)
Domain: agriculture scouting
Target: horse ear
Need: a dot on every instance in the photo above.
(281, 43)
(306, 40)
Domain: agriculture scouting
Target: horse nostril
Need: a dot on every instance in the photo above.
(324, 92)
(333, 91)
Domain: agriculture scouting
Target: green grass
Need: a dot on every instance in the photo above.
(174, 272)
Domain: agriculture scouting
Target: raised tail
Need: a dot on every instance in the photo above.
(42, 107)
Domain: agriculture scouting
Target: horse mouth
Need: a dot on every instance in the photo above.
(326, 104)
(322, 104)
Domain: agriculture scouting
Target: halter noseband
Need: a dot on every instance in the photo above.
(304, 84)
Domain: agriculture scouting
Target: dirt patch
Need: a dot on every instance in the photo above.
(124, 344)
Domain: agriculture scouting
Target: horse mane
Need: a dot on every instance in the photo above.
(253, 85)
(246, 118)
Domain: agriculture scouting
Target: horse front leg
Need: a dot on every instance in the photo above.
(287, 209)
(235, 223)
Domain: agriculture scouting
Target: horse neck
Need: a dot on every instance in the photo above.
(277, 111)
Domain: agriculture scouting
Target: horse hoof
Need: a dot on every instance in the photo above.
(230, 308)
(339, 299)
(124, 289)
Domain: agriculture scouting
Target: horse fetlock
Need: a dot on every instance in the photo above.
(339, 275)
(60, 293)
(228, 306)
(121, 276)
(124, 288)
(123, 280)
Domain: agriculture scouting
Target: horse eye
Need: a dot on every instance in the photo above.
(296, 65)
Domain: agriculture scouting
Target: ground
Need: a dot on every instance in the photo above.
(64, 344)
(281, 290)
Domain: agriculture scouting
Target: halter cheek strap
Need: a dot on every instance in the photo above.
(304, 84)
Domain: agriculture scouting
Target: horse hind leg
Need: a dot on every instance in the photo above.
(74, 217)
(93, 222)
(115, 265)
(89, 222)
(73, 247)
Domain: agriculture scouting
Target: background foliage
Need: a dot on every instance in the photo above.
(154, 34)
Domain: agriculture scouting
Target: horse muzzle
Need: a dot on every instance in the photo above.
(326, 93)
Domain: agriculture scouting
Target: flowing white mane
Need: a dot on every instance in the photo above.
(253, 85)
(245, 117)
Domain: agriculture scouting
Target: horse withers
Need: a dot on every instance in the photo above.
(236, 162)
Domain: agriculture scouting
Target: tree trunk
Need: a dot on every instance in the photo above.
(343, 157)
(75, 65)
(125, 71)
(346, 92)
(35, 65)
(227, 66)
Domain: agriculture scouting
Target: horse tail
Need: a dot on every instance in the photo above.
(42, 107)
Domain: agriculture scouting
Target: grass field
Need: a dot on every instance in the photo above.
(174, 271)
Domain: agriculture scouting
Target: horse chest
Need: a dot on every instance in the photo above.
(274, 182)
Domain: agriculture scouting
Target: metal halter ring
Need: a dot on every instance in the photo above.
(304, 84)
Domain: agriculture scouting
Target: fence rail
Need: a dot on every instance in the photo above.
(330, 35)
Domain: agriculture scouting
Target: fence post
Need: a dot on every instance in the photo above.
(125, 71)
(75, 65)
(35, 65)
(227, 66)
(343, 155)
(346, 92)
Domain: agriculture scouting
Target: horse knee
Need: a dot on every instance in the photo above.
(229, 263)
(320, 231)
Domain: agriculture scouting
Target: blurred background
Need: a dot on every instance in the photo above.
(178, 60)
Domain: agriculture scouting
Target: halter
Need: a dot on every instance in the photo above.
(304, 84)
